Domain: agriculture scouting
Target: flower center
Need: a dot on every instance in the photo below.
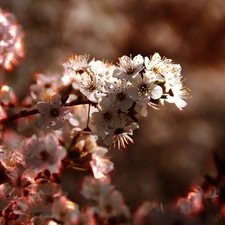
(92, 87)
(130, 69)
(155, 70)
(127, 64)
(107, 116)
(48, 85)
(118, 131)
(54, 112)
(143, 88)
(121, 96)
(43, 155)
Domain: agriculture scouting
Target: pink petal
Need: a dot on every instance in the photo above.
(43, 108)
(56, 103)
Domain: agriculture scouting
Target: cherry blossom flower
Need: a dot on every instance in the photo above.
(77, 63)
(143, 89)
(161, 67)
(86, 217)
(46, 85)
(65, 211)
(7, 95)
(105, 120)
(117, 95)
(11, 160)
(43, 153)
(112, 206)
(120, 134)
(53, 114)
(169, 73)
(95, 188)
(143, 211)
(177, 95)
(91, 86)
(128, 67)
(86, 142)
(73, 68)
(100, 68)
(11, 46)
(100, 165)
(192, 204)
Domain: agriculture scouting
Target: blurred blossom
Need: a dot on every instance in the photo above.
(79, 118)
(65, 211)
(11, 46)
(86, 143)
(5, 190)
(93, 189)
(52, 223)
(43, 153)
(2, 113)
(46, 85)
(192, 204)
(46, 189)
(40, 220)
(7, 95)
(100, 165)
(11, 161)
(113, 205)
(86, 217)
(143, 212)
(53, 114)
(73, 67)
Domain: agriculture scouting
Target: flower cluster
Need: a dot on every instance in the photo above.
(122, 91)
(11, 46)
(91, 101)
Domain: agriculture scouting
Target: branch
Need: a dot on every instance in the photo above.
(21, 114)
(25, 113)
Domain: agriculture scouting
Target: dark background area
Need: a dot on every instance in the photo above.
(173, 148)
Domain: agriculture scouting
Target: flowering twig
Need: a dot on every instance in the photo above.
(25, 113)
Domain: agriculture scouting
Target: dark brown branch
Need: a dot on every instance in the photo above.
(25, 113)
(21, 114)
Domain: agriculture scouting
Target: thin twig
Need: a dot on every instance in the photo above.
(25, 113)
(19, 115)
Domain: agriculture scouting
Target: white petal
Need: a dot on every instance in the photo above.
(125, 104)
(58, 124)
(133, 93)
(180, 103)
(43, 108)
(156, 92)
(144, 111)
(56, 103)
(43, 121)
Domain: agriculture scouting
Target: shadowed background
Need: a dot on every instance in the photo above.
(173, 148)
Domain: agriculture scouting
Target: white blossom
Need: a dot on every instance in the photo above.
(117, 95)
(99, 164)
(120, 134)
(143, 89)
(91, 86)
(53, 114)
(65, 211)
(43, 153)
(128, 67)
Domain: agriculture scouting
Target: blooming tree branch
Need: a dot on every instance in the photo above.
(66, 115)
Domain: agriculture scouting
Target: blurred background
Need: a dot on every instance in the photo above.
(173, 148)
